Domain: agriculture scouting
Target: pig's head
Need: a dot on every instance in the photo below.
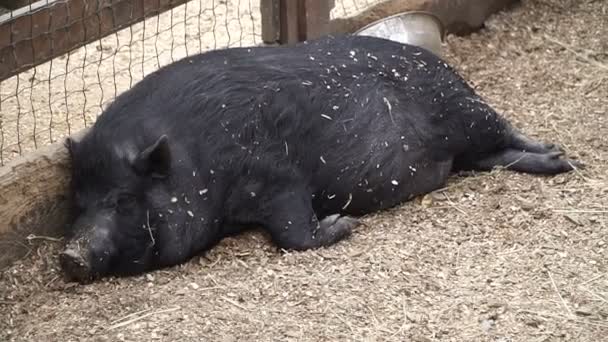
(119, 196)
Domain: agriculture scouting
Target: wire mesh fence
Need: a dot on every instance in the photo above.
(52, 100)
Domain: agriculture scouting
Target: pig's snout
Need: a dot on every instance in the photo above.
(88, 256)
(75, 266)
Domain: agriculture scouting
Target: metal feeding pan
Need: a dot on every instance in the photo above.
(418, 28)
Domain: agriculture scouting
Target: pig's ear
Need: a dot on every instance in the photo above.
(155, 160)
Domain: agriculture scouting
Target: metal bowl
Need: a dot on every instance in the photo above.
(418, 28)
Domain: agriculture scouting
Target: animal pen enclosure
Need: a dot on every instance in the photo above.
(498, 257)
(63, 61)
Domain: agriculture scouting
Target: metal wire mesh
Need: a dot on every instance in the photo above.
(57, 98)
(53, 100)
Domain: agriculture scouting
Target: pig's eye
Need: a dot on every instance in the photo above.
(77, 203)
(77, 208)
(125, 204)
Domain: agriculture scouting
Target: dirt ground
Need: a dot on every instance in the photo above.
(494, 256)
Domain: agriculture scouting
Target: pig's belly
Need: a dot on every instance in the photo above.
(369, 190)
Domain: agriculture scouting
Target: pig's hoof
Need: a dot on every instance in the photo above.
(550, 147)
(554, 160)
(554, 154)
(74, 266)
(335, 228)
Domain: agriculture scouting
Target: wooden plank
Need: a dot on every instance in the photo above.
(301, 20)
(315, 18)
(271, 21)
(33, 199)
(54, 27)
(289, 21)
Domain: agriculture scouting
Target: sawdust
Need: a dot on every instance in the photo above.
(494, 257)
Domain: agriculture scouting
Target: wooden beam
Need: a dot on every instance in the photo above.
(315, 19)
(50, 28)
(33, 199)
(271, 21)
(289, 21)
(298, 20)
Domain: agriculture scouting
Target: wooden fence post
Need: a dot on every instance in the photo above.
(291, 21)
(271, 21)
(290, 17)
(315, 18)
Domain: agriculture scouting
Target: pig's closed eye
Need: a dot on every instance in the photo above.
(78, 205)
(125, 204)
(77, 209)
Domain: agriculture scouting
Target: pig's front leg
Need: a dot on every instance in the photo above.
(293, 225)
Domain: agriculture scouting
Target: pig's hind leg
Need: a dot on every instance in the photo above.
(519, 141)
(293, 225)
(529, 162)
(524, 154)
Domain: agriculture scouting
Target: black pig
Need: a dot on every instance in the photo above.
(296, 139)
